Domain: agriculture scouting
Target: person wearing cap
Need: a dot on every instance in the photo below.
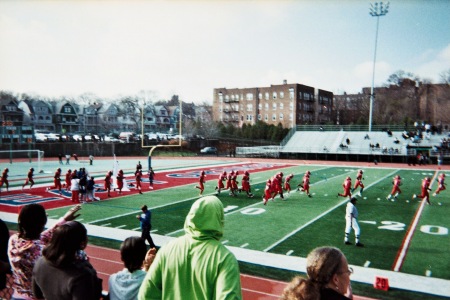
(351, 221)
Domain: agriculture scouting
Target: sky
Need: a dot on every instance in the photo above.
(189, 47)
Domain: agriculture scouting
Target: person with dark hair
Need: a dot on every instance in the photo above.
(328, 277)
(25, 247)
(108, 182)
(64, 271)
(146, 225)
(151, 177)
(196, 265)
(125, 284)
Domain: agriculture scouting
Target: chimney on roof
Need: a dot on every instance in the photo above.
(284, 81)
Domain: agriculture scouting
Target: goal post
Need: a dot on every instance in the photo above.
(30, 156)
(153, 147)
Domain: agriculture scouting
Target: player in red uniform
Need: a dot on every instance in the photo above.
(277, 185)
(201, 182)
(138, 176)
(56, 181)
(108, 182)
(222, 178)
(119, 179)
(425, 190)
(229, 186)
(4, 179)
(68, 179)
(287, 184)
(234, 184)
(305, 184)
(358, 182)
(245, 182)
(267, 191)
(397, 182)
(29, 179)
(441, 183)
(347, 185)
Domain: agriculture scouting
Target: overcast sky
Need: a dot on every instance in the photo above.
(188, 48)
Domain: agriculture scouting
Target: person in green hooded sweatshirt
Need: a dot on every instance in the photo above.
(196, 265)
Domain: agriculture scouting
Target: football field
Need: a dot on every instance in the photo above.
(404, 236)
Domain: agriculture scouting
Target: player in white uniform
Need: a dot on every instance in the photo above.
(351, 221)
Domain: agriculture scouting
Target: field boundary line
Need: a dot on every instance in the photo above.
(321, 215)
(401, 255)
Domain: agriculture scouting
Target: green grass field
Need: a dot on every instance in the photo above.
(297, 225)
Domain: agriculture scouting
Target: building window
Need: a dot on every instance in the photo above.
(249, 107)
(274, 95)
(291, 116)
(281, 106)
(306, 96)
(282, 95)
(266, 117)
(259, 117)
(227, 98)
(291, 106)
(260, 96)
(266, 95)
(281, 116)
(260, 106)
(291, 93)
(274, 117)
(274, 106)
(249, 96)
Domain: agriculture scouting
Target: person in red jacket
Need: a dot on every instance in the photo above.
(359, 183)
(119, 179)
(441, 185)
(397, 182)
(108, 182)
(56, 181)
(347, 185)
(29, 179)
(287, 183)
(425, 190)
(68, 179)
(138, 176)
(267, 191)
(234, 184)
(222, 178)
(305, 184)
(201, 182)
(4, 179)
(245, 182)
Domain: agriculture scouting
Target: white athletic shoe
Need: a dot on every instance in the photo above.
(414, 196)
(434, 194)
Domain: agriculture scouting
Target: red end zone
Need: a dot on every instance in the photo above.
(13, 200)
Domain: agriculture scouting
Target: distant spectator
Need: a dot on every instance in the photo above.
(25, 247)
(389, 132)
(347, 141)
(396, 141)
(367, 137)
(75, 156)
(60, 158)
(91, 159)
(75, 188)
(328, 277)
(64, 271)
(196, 265)
(125, 284)
(67, 159)
(146, 225)
(151, 177)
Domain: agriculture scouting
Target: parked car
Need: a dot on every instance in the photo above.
(40, 137)
(209, 150)
(52, 137)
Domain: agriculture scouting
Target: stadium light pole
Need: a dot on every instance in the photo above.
(376, 10)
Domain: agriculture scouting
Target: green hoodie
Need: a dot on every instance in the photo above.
(195, 266)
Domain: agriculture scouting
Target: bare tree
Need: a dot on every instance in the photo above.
(445, 77)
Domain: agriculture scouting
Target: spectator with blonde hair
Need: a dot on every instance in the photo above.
(328, 277)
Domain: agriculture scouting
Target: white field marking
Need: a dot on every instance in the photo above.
(225, 242)
(326, 195)
(137, 228)
(407, 201)
(105, 225)
(404, 248)
(120, 226)
(154, 230)
(378, 199)
(244, 245)
(428, 273)
(289, 252)
(369, 222)
(321, 215)
(367, 264)
(79, 220)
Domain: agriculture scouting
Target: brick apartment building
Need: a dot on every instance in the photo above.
(285, 104)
